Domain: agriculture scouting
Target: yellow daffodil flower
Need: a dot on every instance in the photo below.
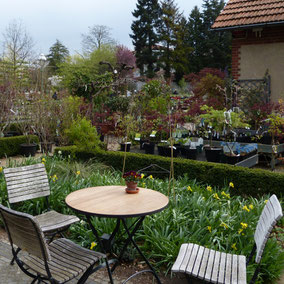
(93, 244)
(189, 188)
(244, 225)
(150, 177)
(251, 206)
(246, 208)
(234, 246)
(142, 175)
(215, 195)
(240, 231)
(209, 228)
(78, 173)
(209, 188)
(1, 169)
(231, 185)
(223, 193)
(43, 160)
(224, 225)
(265, 201)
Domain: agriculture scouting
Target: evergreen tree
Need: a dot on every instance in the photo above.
(168, 33)
(144, 37)
(210, 48)
(217, 44)
(181, 50)
(195, 40)
(57, 55)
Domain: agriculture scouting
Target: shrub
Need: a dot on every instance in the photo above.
(82, 134)
(10, 146)
(254, 182)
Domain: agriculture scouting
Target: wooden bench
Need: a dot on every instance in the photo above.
(218, 267)
(29, 182)
(56, 262)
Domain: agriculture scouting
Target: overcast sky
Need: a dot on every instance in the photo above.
(66, 20)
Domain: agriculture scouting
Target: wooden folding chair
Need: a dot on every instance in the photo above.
(29, 182)
(219, 267)
(56, 262)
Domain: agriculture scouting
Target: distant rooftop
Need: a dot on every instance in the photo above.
(246, 13)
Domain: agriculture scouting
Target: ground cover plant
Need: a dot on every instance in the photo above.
(196, 213)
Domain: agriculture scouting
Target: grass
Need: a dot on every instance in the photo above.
(196, 213)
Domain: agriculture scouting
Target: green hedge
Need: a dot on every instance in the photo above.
(10, 146)
(252, 182)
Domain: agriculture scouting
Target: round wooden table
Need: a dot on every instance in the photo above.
(113, 202)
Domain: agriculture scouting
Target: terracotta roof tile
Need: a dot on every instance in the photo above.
(250, 12)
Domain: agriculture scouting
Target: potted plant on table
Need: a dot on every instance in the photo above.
(131, 179)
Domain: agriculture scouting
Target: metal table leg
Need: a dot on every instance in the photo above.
(127, 242)
(95, 232)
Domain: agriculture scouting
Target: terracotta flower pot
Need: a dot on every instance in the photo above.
(131, 187)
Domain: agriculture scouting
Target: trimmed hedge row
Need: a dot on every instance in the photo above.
(252, 182)
(10, 146)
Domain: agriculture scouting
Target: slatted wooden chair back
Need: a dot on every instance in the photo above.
(271, 213)
(28, 182)
(24, 232)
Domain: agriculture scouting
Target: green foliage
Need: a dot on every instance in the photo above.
(211, 48)
(85, 76)
(217, 120)
(160, 104)
(209, 87)
(82, 134)
(117, 104)
(145, 37)
(155, 88)
(57, 55)
(198, 213)
(170, 21)
(254, 182)
(10, 146)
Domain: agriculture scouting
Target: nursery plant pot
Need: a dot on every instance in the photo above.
(149, 148)
(28, 149)
(46, 147)
(188, 153)
(168, 153)
(122, 147)
(131, 187)
(213, 154)
(142, 141)
(161, 151)
(232, 160)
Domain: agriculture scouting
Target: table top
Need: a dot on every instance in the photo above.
(112, 201)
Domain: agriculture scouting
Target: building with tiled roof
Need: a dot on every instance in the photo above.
(257, 28)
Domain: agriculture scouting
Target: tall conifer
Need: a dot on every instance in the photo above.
(144, 36)
(168, 33)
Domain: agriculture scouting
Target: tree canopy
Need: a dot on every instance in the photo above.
(58, 53)
(144, 34)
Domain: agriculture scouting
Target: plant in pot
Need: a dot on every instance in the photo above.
(276, 130)
(25, 122)
(219, 121)
(46, 119)
(131, 179)
(125, 128)
(188, 149)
